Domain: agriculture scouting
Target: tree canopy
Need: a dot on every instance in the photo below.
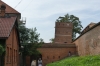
(1, 49)
(77, 27)
(52, 40)
(29, 39)
(23, 33)
(34, 42)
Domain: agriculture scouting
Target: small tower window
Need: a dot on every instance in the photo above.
(65, 42)
(53, 57)
(47, 57)
(59, 57)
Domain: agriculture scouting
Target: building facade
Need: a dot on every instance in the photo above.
(9, 35)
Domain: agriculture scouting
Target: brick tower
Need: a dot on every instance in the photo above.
(63, 32)
(61, 46)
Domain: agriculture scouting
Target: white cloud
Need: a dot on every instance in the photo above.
(42, 14)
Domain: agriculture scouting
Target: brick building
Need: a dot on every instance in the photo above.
(10, 11)
(62, 45)
(9, 35)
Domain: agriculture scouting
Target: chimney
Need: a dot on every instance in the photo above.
(2, 10)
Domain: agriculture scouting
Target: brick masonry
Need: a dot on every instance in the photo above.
(50, 55)
(12, 49)
(63, 32)
(89, 42)
(63, 36)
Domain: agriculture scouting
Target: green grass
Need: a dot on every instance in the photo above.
(78, 61)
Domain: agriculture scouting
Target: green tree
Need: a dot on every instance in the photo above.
(2, 55)
(24, 33)
(24, 39)
(77, 27)
(29, 40)
(1, 50)
(35, 41)
(52, 40)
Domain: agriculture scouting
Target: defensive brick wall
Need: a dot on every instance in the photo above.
(89, 42)
(51, 54)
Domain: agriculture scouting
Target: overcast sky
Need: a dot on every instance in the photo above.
(42, 14)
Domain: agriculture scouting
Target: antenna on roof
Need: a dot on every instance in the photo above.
(23, 20)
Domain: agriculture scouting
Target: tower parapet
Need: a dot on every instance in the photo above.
(63, 32)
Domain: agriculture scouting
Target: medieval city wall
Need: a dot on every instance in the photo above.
(89, 43)
(50, 55)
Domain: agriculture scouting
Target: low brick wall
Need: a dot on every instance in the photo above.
(50, 55)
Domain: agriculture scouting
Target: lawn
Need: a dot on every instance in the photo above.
(78, 61)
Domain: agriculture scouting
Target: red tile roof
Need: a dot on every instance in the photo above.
(8, 8)
(6, 25)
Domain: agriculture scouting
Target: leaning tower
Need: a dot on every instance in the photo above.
(63, 32)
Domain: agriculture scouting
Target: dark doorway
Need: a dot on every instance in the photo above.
(36, 57)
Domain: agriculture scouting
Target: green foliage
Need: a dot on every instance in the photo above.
(34, 36)
(1, 50)
(52, 40)
(24, 33)
(29, 39)
(35, 42)
(77, 27)
(78, 61)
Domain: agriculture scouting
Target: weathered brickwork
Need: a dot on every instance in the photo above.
(63, 32)
(89, 43)
(50, 55)
(61, 46)
(12, 49)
